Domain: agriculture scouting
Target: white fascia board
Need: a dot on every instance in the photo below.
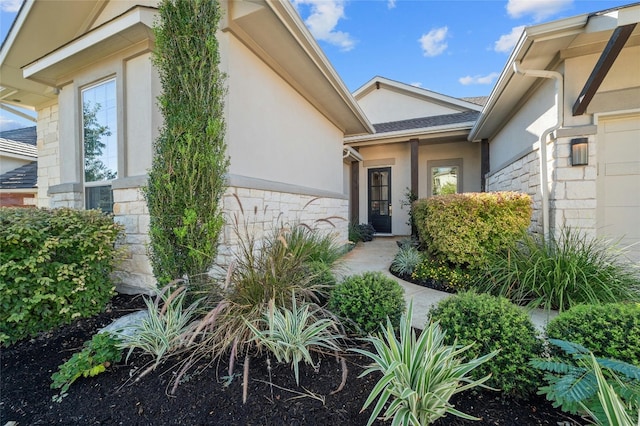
(561, 28)
(289, 17)
(410, 133)
(417, 91)
(15, 29)
(95, 36)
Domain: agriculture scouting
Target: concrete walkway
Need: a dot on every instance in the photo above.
(378, 254)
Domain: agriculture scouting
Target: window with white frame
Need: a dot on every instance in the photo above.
(100, 144)
(444, 176)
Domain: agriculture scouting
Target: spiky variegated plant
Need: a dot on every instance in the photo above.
(419, 375)
(292, 334)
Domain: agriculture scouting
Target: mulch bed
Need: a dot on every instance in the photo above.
(116, 398)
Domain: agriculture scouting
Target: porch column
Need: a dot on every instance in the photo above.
(414, 165)
(484, 164)
(354, 213)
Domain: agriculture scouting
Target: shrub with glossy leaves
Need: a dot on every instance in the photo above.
(54, 267)
(610, 330)
(463, 229)
(493, 323)
(367, 300)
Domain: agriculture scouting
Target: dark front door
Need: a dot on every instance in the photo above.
(380, 199)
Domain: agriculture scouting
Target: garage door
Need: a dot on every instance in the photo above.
(618, 212)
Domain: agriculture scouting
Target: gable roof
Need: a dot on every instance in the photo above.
(30, 65)
(23, 177)
(418, 92)
(543, 47)
(26, 135)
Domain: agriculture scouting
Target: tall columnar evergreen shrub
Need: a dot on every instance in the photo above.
(187, 178)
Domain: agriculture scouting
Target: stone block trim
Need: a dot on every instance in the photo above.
(572, 190)
(523, 175)
(261, 211)
(49, 158)
(573, 202)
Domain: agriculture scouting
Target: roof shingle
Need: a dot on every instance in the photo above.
(23, 177)
(426, 122)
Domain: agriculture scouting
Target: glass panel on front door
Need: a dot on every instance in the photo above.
(380, 199)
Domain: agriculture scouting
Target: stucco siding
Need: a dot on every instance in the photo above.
(384, 105)
(524, 128)
(273, 133)
(143, 119)
(112, 9)
(398, 157)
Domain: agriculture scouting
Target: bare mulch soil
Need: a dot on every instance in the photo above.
(116, 398)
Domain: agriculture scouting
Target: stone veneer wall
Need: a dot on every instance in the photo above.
(48, 153)
(263, 211)
(572, 194)
(521, 175)
(574, 190)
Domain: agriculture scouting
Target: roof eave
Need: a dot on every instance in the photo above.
(405, 135)
(528, 37)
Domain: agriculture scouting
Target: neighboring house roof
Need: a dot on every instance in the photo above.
(478, 100)
(427, 122)
(543, 47)
(14, 149)
(24, 177)
(271, 29)
(25, 134)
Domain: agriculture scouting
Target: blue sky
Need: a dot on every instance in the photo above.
(454, 47)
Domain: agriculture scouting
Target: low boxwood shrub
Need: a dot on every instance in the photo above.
(610, 330)
(367, 300)
(54, 267)
(491, 323)
(463, 229)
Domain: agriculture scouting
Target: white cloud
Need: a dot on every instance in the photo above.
(323, 19)
(433, 43)
(478, 79)
(416, 84)
(391, 4)
(10, 6)
(539, 9)
(506, 41)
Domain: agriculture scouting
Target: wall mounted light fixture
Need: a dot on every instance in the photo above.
(580, 152)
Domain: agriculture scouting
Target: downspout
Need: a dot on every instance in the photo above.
(544, 177)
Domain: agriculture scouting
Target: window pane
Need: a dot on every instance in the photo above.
(100, 130)
(444, 180)
(99, 197)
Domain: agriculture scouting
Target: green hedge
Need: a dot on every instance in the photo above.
(54, 267)
(492, 323)
(610, 330)
(463, 229)
(367, 300)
